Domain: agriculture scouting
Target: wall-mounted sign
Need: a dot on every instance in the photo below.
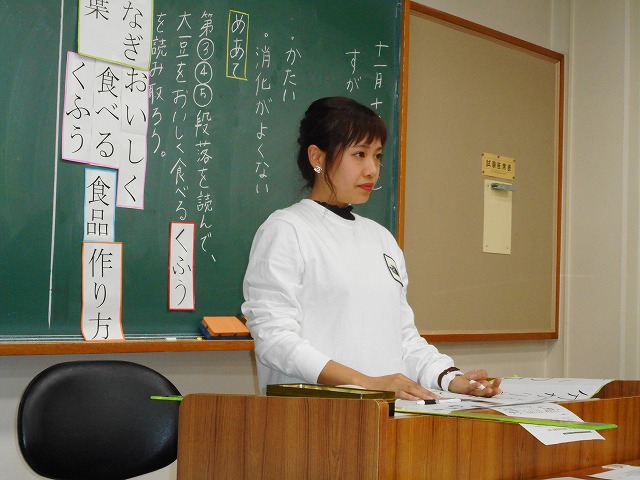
(498, 166)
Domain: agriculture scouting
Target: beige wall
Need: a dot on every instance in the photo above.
(601, 274)
(600, 331)
(600, 326)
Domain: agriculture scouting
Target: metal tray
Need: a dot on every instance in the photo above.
(324, 391)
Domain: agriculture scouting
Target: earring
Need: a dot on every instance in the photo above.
(317, 169)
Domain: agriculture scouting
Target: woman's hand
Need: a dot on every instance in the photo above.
(403, 387)
(335, 373)
(475, 383)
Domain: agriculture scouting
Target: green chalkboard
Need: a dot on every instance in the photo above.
(340, 48)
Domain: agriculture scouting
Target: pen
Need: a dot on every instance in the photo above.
(479, 387)
(442, 400)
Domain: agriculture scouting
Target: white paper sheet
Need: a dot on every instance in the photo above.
(101, 317)
(626, 472)
(105, 122)
(117, 31)
(181, 266)
(99, 205)
(547, 434)
(526, 397)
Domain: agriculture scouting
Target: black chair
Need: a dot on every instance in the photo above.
(95, 420)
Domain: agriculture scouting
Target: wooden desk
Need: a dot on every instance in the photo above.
(254, 437)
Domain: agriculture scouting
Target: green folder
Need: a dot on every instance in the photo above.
(526, 420)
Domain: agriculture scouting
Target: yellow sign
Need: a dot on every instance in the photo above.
(498, 166)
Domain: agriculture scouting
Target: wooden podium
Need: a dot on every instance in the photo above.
(242, 437)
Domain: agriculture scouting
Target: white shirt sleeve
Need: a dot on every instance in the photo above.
(271, 286)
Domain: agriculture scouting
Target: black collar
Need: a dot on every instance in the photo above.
(344, 212)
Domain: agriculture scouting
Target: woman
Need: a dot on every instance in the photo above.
(325, 289)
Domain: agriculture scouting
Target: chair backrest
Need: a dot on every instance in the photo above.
(95, 420)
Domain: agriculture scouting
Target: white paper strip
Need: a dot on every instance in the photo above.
(99, 205)
(181, 266)
(101, 317)
(117, 31)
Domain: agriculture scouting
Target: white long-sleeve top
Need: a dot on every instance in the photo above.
(319, 287)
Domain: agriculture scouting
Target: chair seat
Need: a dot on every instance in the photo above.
(95, 420)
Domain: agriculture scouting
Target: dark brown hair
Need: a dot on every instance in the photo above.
(333, 124)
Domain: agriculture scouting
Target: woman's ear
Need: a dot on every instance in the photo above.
(316, 157)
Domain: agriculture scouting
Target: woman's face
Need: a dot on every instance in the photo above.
(353, 175)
